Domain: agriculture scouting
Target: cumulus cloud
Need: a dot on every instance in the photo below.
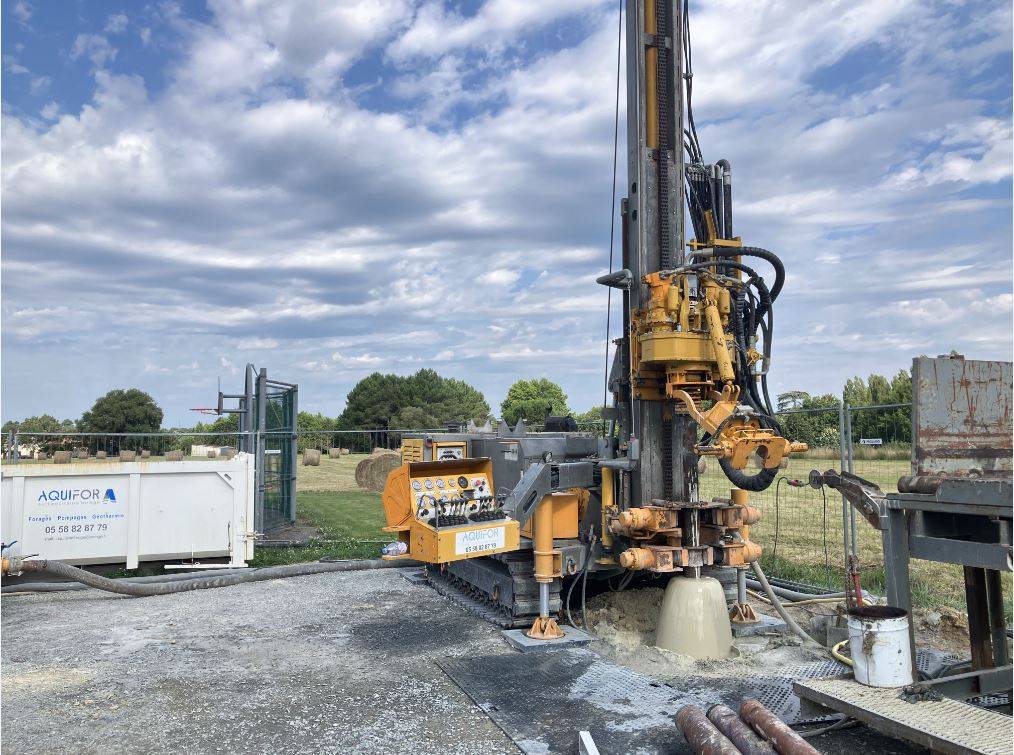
(259, 201)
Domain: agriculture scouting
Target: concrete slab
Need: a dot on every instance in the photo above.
(763, 625)
(572, 638)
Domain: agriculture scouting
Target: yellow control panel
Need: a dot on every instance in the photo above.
(447, 510)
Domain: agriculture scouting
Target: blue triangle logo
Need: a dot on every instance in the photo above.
(109, 496)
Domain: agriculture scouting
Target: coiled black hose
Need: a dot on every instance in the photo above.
(754, 483)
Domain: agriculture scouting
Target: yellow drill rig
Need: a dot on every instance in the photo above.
(519, 515)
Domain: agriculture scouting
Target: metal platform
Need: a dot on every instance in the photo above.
(945, 725)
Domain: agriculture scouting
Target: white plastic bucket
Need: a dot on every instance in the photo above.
(878, 639)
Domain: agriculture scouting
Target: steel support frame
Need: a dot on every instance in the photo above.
(983, 593)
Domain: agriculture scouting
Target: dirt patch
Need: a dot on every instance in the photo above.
(46, 679)
(624, 626)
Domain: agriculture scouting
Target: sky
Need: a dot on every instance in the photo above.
(331, 189)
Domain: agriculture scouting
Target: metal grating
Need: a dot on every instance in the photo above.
(941, 725)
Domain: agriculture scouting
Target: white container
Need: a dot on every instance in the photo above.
(879, 642)
(103, 512)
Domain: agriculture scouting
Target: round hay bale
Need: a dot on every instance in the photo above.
(40, 455)
(229, 453)
(371, 472)
(100, 454)
(344, 451)
(61, 457)
(311, 457)
(81, 453)
(146, 454)
(333, 453)
(127, 455)
(212, 454)
(174, 456)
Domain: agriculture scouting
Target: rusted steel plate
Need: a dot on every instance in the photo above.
(961, 417)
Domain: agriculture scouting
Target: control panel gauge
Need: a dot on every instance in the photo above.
(428, 483)
(440, 484)
(416, 485)
(463, 481)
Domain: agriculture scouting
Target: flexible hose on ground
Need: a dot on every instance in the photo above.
(839, 656)
(155, 578)
(797, 597)
(143, 590)
(789, 621)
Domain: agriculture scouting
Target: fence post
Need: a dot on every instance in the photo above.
(851, 469)
(15, 453)
(844, 441)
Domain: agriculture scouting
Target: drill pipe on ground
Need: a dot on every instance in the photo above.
(701, 734)
(740, 734)
(773, 729)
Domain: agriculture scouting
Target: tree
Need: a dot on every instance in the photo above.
(818, 427)
(123, 411)
(533, 400)
(45, 423)
(792, 400)
(384, 401)
(890, 425)
(590, 417)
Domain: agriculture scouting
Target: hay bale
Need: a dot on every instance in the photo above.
(128, 455)
(211, 454)
(311, 457)
(61, 457)
(344, 451)
(40, 455)
(100, 454)
(174, 456)
(81, 453)
(229, 453)
(146, 454)
(371, 472)
(333, 453)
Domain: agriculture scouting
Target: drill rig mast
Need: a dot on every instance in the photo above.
(690, 320)
(506, 518)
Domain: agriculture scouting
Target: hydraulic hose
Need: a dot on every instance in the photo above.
(754, 251)
(144, 590)
(789, 621)
(754, 483)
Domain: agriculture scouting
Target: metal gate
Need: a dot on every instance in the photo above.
(267, 411)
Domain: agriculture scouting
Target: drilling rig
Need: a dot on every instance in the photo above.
(510, 519)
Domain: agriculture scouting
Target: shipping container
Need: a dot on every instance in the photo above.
(130, 512)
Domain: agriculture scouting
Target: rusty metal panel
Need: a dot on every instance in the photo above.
(961, 417)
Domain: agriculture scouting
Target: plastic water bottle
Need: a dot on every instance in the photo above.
(395, 549)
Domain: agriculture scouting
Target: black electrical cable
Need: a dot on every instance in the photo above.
(827, 559)
(612, 207)
(774, 551)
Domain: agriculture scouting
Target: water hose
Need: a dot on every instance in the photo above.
(796, 596)
(204, 582)
(777, 604)
(838, 656)
(76, 586)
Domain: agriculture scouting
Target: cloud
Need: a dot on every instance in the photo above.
(333, 189)
(22, 12)
(95, 47)
(116, 23)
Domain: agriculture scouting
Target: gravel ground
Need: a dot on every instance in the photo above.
(333, 663)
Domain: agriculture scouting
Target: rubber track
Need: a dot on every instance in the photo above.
(465, 596)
